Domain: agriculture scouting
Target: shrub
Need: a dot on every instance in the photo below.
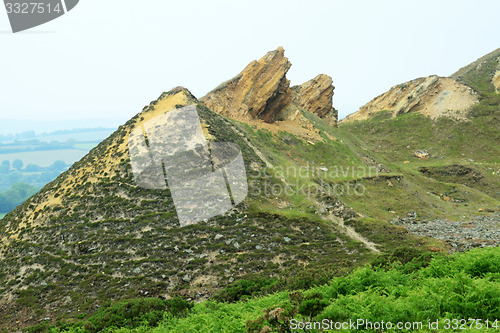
(235, 291)
(312, 305)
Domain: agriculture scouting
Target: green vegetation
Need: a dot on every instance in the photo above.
(405, 286)
(15, 196)
(18, 184)
(464, 165)
(31, 174)
(376, 157)
(444, 139)
(127, 314)
(478, 76)
(104, 240)
(107, 239)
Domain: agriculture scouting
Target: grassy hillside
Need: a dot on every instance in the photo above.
(93, 236)
(322, 203)
(407, 287)
(444, 139)
(299, 227)
(460, 153)
(340, 179)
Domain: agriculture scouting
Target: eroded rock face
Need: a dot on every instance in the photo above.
(260, 91)
(432, 96)
(316, 96)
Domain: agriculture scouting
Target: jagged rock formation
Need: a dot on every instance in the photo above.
(262, 91)
(316, 96)
(431, 96)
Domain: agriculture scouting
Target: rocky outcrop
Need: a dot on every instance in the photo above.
(260, 91)
(496, 80)
(432, 96)
(316, 96)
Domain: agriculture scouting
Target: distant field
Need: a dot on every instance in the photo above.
(84, 146)
(46, 158)
(97, 135)
(18, 181)
(90, 135)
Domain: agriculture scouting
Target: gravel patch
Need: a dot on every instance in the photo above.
(480, 231)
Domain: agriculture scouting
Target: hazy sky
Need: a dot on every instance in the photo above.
(107, 59)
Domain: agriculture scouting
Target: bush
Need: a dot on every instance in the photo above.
(412, 259)
(129, 314)
(249, 287)
(178, 307)
(312, 305)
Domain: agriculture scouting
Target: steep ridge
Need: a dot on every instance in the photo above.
(466, 71)
(483, 75)
(260, 91)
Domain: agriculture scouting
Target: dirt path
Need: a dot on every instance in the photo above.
(349, 231)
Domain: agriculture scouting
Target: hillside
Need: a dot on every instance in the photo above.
(490, 62)
(321, 202)
(405, 291)
(437, 97)
(473, 140)
(431, 96)
(93, 235)
(456, 159)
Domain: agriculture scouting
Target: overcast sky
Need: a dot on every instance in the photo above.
(105, 60)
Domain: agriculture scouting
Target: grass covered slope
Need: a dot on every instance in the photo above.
(92, 235)
(459, 180)
(320, 204)
(407, 286)
(337, 179)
